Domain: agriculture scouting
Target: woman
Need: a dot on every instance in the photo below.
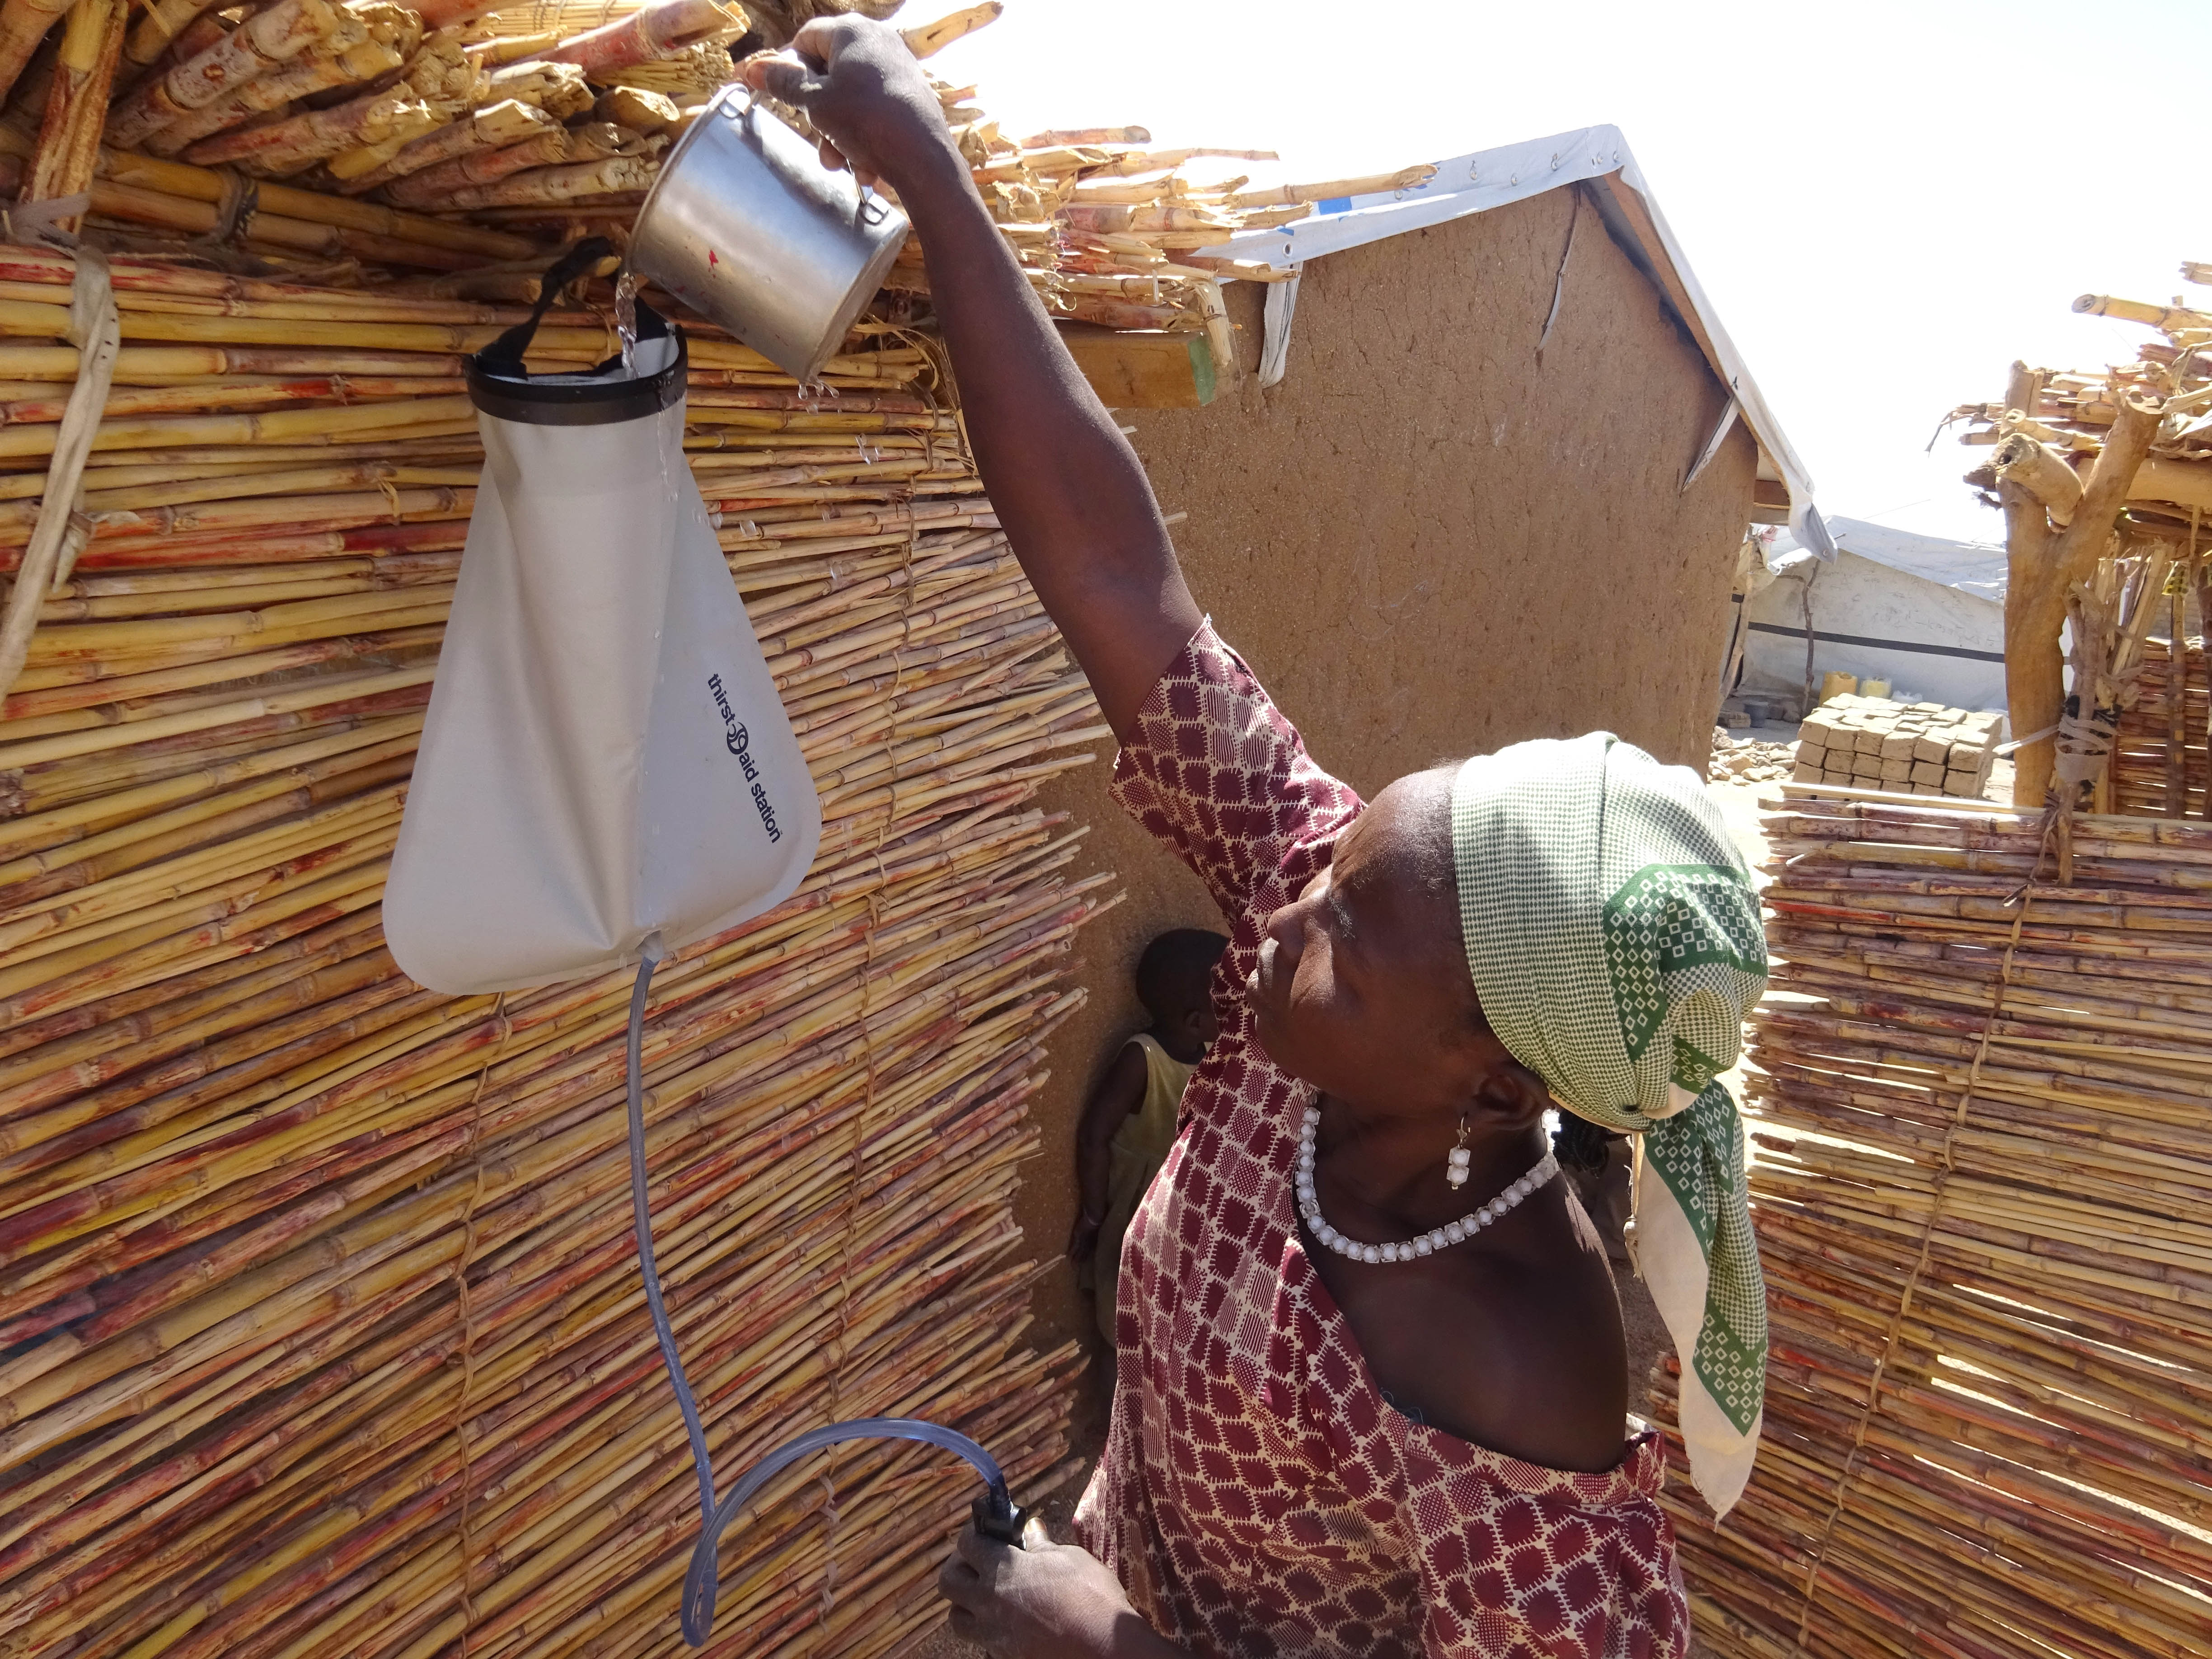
(1371, 1395)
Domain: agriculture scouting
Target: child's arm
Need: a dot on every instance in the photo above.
(1119, 1093)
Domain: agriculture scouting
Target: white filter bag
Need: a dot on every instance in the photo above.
(606, 758)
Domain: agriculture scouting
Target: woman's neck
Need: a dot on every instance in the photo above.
(1392, 1166)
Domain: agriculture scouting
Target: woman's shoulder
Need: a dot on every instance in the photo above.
(1215, 772)
(1516, 1348)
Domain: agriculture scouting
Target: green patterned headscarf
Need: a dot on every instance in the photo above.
(1616, 946)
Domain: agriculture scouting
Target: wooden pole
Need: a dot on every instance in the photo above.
(2177, 687)
(2042, 565)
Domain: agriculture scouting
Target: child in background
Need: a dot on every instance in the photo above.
(1129, 1122)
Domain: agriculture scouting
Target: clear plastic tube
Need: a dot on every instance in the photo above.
(701, 1581)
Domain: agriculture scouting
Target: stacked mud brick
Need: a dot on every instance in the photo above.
(1919, 748)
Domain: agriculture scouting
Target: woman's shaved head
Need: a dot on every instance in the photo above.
(1364, 977)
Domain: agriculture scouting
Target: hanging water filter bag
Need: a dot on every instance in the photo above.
(605, 758)
(606, 772)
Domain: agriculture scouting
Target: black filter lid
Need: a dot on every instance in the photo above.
(607, 393)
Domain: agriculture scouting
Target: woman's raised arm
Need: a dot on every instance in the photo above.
(1069, 490)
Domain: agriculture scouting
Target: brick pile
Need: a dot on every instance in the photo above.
(1918, 748)
(1747, 760)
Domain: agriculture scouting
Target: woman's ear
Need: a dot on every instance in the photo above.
(1510, 1095)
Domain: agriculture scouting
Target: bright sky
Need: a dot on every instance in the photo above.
(1887, 202)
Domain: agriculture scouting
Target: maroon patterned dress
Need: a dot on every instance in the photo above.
(1257, 1496)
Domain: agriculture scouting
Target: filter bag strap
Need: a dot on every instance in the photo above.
(609, 391)
(504, 354)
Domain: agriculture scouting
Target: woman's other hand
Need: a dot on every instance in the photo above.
(865, 94)
(1044, 1600)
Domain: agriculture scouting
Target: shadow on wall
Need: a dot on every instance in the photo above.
(1427, 544)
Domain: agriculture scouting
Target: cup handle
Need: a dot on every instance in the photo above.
(873, 210)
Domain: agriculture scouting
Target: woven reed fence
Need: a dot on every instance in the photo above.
(321, 1332)
(2160, 767)
(1981, 1105)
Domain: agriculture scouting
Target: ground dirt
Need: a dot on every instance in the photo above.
(1756, 757)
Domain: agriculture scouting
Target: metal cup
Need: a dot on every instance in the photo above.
(747, 226)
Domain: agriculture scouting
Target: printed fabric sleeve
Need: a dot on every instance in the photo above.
(1216, 774)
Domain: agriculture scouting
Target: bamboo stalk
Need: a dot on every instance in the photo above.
(69, 133)
(23, 24)
(274, 36)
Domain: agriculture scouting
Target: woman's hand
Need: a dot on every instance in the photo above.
(866, 94)
(1044, 1600)
(1068, 490)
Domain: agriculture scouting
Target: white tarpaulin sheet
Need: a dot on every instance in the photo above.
(1975, 567)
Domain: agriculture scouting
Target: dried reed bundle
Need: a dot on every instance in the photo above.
(1106, 226)
(296, 144)
(611, 176)
(175, 195)
(558, 88)
(436, 184)
(374, 40)
(320, 1332)
(164, 23)
(270, 37)
(494, 127)
(23, 24)
(672, 29)
(1980, 1181)
(496, 50)
(63, 163)
(2159, 764)
(637, 110)
(319, 1328)
(692, 73)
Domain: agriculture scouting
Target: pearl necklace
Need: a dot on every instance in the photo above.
(1436, 1238)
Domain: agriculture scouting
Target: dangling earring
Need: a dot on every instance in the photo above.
(1456, 1161)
